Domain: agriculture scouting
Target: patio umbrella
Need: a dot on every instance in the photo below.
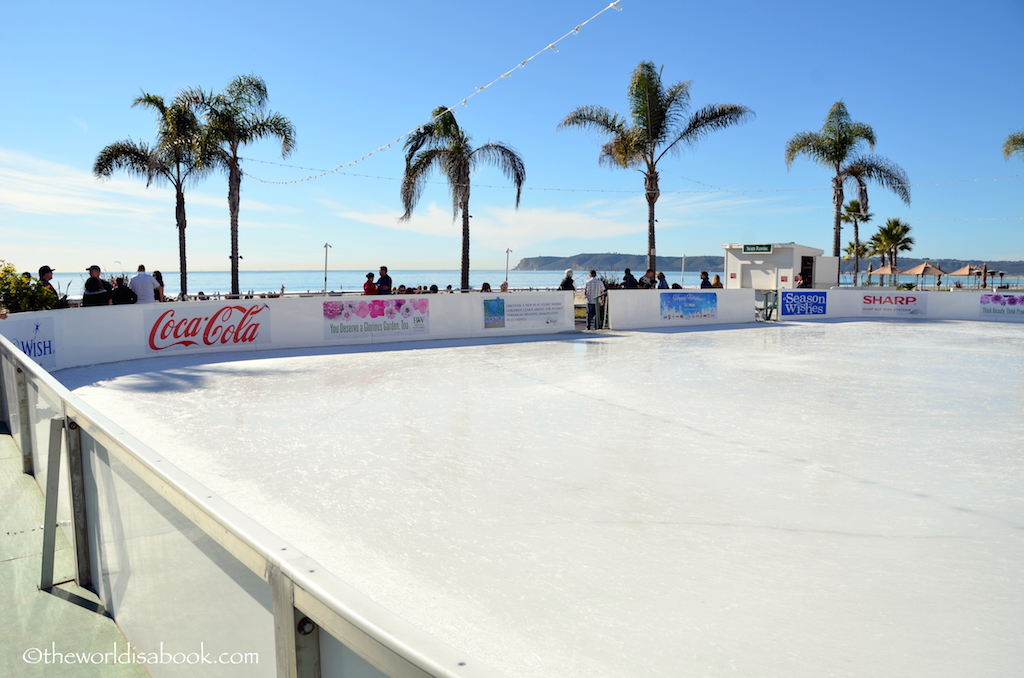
(925, 269)
(969, 271)
(883, 271)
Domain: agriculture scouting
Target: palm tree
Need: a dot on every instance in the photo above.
(184, 153)
(442, 144)
(238, 116)
(854, 214)
(658, 124)
(834, 147)
(856, 252)
(893, 238)
(1014, 144)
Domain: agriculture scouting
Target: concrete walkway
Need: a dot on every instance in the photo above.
(34, 623)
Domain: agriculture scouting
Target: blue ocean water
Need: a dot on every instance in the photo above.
(219, 282)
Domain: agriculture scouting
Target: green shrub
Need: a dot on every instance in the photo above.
(21, 292)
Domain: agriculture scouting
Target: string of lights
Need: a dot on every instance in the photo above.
(464, 102)
(711, 190)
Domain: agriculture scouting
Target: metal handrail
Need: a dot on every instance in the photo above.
(300, 586)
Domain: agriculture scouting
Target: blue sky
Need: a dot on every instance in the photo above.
(938, 82)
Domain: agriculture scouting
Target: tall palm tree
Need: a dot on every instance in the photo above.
(238, 116)
(893, 238)
(658, 123)
(1014, 144)
(854, 214)
(854, 252)
(836, 147)
(184, 153)
(443, 145)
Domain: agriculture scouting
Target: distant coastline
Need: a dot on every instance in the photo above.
(614, 261)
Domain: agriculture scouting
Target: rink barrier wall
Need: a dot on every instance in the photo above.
(172, 562)
(644, 309)
(880, 302)
(87, 336)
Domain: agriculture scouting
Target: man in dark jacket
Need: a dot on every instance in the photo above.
(122, 293)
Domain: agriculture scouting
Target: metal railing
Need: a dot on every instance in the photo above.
(59, 436)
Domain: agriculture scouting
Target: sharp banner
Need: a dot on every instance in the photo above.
(894, 304)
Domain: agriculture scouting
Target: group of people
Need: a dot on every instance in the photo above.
(649, 281)
(384, 285)
(705, 283)
(143, 288)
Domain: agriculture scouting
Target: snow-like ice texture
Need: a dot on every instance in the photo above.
(796, 500)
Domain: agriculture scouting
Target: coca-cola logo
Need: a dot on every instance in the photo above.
(227, 325)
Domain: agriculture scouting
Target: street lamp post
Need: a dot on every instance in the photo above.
(507, 252)
(326, 247)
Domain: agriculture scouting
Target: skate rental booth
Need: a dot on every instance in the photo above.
(774, 266)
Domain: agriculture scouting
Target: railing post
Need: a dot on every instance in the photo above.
(50, 519)
(79, 522)
(296, 637)
(24, 424)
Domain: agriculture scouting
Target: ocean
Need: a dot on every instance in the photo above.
(294, 282)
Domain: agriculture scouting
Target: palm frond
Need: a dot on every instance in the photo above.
(507, 160)
(1014, 144)
(709, 119)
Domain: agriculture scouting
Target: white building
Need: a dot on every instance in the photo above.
(774, 266)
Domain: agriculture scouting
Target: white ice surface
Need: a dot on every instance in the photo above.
(800, 500)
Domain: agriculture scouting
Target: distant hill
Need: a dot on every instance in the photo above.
(610, 262)
(618, 262)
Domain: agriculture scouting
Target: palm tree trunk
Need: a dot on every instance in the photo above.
(179, 216)
(856, 253)
(837, 202)
(234, 189)
(464, 282)
(653, 193)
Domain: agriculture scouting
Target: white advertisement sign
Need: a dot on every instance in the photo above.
(894, 304)
(364, 317)
(204, 325)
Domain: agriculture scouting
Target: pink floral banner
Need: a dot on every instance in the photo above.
(1008, 306)
(365, 317)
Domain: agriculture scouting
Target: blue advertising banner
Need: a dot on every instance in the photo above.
(688, 305)
(804, 302)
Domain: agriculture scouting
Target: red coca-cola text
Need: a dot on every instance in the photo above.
(218, 328)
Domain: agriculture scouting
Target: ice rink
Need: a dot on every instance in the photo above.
(791, 500)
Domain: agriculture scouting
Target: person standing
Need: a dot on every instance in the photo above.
(384, 281)
(97, 290)
(628, 281)
(593, 289)
(369, 287)
(662, 282)
(704, 282)
(45, 276)
(122, 293)
(647, 282)
(158, 294)
(145, 286)
(568, 283)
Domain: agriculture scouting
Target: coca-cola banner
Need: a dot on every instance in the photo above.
(177, 327)
(391, 316)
